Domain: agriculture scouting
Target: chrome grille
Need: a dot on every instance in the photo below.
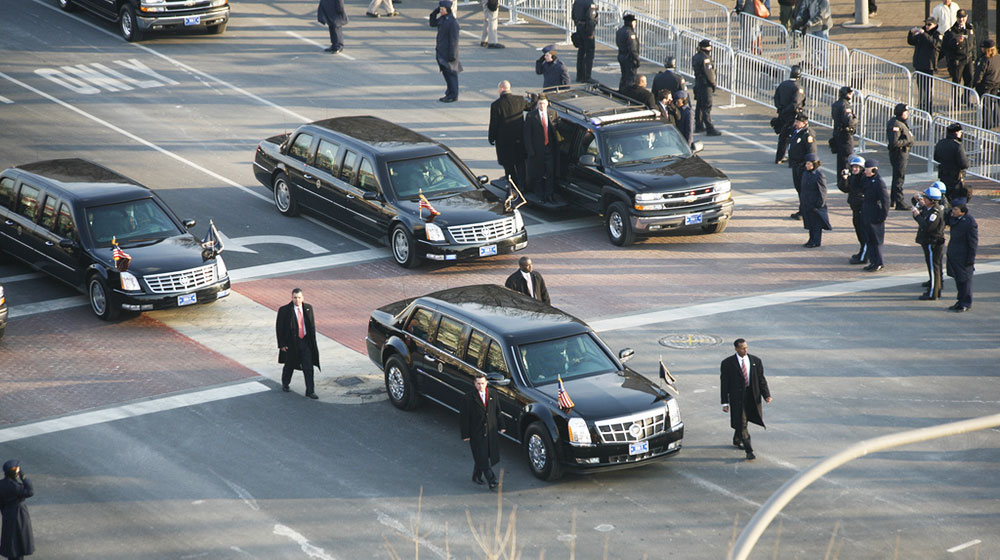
(484, 232)
(183, 281)
(619, 430)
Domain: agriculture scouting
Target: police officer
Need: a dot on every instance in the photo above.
(855, 199)
(959, 47)
(845, 124)
(874, 210)
(668, 79)
(930, 219)
(789, 100)
(704, 88)
(952, 162)
(987, 79)
(962, 248)
(585, 19)
(801, 142)
(899, 139)
(552, 70)
(628, 51)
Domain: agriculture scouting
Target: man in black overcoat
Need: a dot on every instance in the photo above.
(16, 538)
(527, 281)
(874, 211)
(952, 162)
(962, 252)
(480, 425)
(446, 48)
(585, 19)
(541, 146)
(333, 14)
(296, 332)
(627, 41)
(789, 100)
(507, 131)
(743, 385)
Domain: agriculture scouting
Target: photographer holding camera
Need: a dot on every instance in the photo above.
(16, 539)
(930, 217)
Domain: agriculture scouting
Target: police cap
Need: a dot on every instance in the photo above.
(795, 73)
(900, 107)
(670, 63)
(704, 44)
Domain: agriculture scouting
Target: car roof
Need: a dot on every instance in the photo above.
(598, 105)
(516, 317)
(82, 180)
(381, 135)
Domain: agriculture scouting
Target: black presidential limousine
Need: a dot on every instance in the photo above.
(368, 174)
(433, 346)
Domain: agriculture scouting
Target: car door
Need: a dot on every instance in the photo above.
(421, 329)
(449, 343)
(511, 401)
(45, 243)
(367, 203)
(20, 225)
(62, 245)
(584, 182)
(329, 163)
(8, 196)
(303, 176)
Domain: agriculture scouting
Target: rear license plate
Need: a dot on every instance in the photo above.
(187, 299)
(193, 20)
(487, 250)
(692, 219)
(638, 448)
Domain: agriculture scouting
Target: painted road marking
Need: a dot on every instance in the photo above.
(132, 410)
(18, 310)
(5, 100)
(318, 44)
(238, 244)
(21, 277)
(963, 546)
(311, 550)
(83, 78)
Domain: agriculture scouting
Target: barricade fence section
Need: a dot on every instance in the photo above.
(874, 75)
(609, 19)
(822, 58)
(874, 112)
(923, 137)
(657, 40)
(552, 12)
(722, 58)
(989, 111)
(820, 95)
(705, 17)
(946, 99)
(756, 78)
(981, 146)
(759, 37)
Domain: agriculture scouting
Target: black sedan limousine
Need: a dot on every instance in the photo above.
(433, 346)
(368, 174)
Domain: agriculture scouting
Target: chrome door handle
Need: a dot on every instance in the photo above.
(8, 222)
(351, 197)
(49, 244)
(307, 176)
(430, 358)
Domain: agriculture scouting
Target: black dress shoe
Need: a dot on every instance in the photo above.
(493, 485)
(751, 456)
(796, 216)
(926, 297)
(338, 50)
(714, 132)
(903, 207)
(477, 479)
(447, 99)
(954, 307)
(313, 396)
(810, 245)
(962, 309)
(699, 129)
(329, 49)
(496, 46)
(738, 444)
(285, 388)
(856, 260)
(369, 14)
(874, 267)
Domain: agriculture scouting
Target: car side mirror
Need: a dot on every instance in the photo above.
(697, 147)
(497, 379)
(588, 160)
(625, 354)
(371, 195)
(189, 223)
(483, 179)
(66, 243)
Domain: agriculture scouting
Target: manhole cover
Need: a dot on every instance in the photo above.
(685, 341)
(348, 381)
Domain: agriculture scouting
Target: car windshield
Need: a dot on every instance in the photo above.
(432, 175)
(645, 146)
(130, 222)
(575, 356)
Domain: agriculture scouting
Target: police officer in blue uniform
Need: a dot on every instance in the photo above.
(704, 88)
(855, 199)
(962, 252)
(552, 70)
(845, 124)
(930, 218)
(628, 51)
(874, 211)
(802, 141)
(789, 100)
(585, 19)
(668, 79)
(899, 140)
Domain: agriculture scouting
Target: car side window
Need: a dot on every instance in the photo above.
(367, 181)
(27, 202)
(300, 147)
(589, 145)
(326, 157)
(420, 324)
(449, 335)
(495, 362)
(476, 349)
(64, 223)
(348, 168)
(49, 213)
(6, 192)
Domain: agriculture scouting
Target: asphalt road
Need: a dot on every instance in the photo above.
(270, 475)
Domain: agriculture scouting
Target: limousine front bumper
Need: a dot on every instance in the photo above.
(133, 301)
(614, 456)
(467, 251)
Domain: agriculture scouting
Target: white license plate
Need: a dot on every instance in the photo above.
(692, 219)
(638, 448)
(187, 299)
(193, 20)
(487, 250)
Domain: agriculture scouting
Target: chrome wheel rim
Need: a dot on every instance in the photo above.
(536, 453)
(126, 23)
(98, 300)
(282, 197)
(396, 384)
(400, 247)
(615, 225)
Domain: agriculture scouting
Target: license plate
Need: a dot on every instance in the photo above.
(193, 20)
(187, 299)
(638, 448)
(487, 250)
(692, 219)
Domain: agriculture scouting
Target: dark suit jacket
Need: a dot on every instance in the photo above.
(962, 247)
(332, 13)
(481, 424)
(446, 48)
(534, 138)
(286, 328)
(517, 283)
(507, 128)
(731, 383)
(640, 95)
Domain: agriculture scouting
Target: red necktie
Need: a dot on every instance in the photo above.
(484, 398)
(302, 327)
(545, 127)
(746, 373)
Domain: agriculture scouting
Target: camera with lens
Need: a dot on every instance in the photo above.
(915, 200)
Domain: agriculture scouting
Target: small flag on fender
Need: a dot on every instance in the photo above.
(121, 258)
(669, 379)
(425, 204)
(564, 400)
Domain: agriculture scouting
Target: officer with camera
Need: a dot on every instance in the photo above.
(930, 217)
(845, 124)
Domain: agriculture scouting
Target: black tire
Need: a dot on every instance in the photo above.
(399, 384)
(717, 227)
(404, 249)
(2, 330)
(541, 452)
(284, 195)
(67, 5)
(100, 298)
(618, 226)
(128, 26)
(217, 29)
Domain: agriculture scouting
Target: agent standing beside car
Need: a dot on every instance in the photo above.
(528, 282)
(16, 537)
(506, 131)
(743, 385)
(540, 147)
(479, 421)
(297, 348)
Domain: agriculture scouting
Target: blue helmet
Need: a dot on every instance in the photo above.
(932, 193)
(857, 160)
(939, 186)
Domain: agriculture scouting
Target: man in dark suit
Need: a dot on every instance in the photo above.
(507, 131)
(479, 422)
(541, 144)
(333, 14)
(297, 349)
(962, 253)
(527, 281)
(446, 48)
(743, 384)
(637, 92)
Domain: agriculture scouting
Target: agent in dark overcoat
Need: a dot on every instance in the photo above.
(295, 328)
(627, 41)
(446, 48)
(743, 385)
(541, 147)
(480, 425)
(16, 538)
(507, 131)
(520, 279)
(552, 70)
(952, 162)
(812, 201)
(332, 14)
(962, 253)
(874, 211)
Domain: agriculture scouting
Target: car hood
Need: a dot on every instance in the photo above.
(686, 173)
(608, 395)
(471, 207)
(173, 254)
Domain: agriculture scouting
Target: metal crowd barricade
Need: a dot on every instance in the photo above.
(981, 146)
(989, 111)
(923, 138)
(657, 39)
(823, 58)
(874, 113)
(820, 95)
(705, 17)
(759, 37)
(609, 19)
(552, 12)
(756, 78)
(723, 58)
(872, 74)
(946, 99)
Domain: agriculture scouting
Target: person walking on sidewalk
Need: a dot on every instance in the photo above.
(743, 384)
(480, 425)
(333, 14)
(930, 218)
(704, 88)
(899, 140)
(16, 537)
(295, 328)
(446, 48)
(376, 5)
(490, 21)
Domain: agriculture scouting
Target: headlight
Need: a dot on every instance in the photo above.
(129, 282)
(220, 267)
(674, 411)
(217, 3)
(578, 431)
(153, 6)
(723, 191)
(648, 197)
(2, 299)
(518, 221)
(434, 232)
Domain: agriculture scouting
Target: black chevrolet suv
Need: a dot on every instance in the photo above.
(137, 17)
(617, 158)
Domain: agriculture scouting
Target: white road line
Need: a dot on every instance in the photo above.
(5, 100)
(312, 551)
(305, 265)
(130, 410)
(316, 43)
(963, 546)
(769, 149)
(21, 277)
